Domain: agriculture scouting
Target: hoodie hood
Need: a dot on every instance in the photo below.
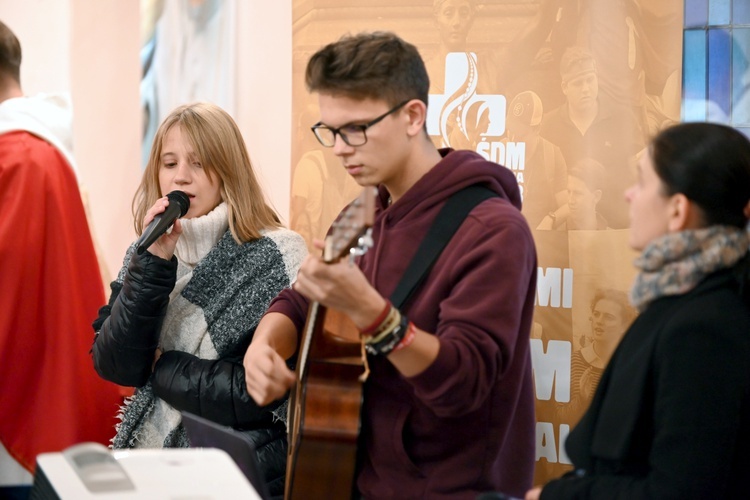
(457, 170)
(47, 116)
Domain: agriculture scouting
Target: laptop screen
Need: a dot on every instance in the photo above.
(203, 433)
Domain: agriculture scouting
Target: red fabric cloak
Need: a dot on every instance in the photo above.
(50, 395)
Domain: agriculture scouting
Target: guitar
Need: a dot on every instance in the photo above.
(325, 404)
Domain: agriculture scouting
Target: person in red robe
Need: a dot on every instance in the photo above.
(50, 395)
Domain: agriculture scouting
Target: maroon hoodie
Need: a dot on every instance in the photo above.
(466, 424)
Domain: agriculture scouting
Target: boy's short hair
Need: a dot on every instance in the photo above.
(377, 65)
(10, 54)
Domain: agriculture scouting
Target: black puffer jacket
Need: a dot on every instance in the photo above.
(232, 287)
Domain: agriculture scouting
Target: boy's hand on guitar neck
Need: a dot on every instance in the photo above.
(339, 285)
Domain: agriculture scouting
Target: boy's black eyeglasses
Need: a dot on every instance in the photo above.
(353, 135)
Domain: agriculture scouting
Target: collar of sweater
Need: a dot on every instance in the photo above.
(200, 235)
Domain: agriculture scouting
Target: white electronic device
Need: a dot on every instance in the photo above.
(92, 471)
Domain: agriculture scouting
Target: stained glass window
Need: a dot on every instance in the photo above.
(716, 62)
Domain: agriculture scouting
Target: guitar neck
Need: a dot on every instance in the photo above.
(315, 315)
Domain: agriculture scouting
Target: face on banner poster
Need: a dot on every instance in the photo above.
(564, 93)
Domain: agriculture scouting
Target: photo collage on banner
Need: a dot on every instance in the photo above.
(566, 94)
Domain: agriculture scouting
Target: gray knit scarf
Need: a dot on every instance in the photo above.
(148, 421)
(675, 263)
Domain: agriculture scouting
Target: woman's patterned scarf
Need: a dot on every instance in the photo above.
(676, 262)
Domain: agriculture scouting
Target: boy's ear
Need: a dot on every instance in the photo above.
(416, 111)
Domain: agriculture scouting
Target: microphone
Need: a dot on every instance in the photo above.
(179, 204)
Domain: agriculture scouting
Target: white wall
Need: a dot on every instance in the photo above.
(105, 77)
(90, 48)
(43, 27)
(264, 88)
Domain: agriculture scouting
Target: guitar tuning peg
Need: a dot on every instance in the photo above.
(364, 242)
(356, 252)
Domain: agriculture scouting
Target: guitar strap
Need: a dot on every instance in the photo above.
(446, 223)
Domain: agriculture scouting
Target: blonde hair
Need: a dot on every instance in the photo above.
(220, 148)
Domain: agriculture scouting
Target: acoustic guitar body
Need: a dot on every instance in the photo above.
(329, 402)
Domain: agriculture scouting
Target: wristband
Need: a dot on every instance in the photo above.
(408, 338)
(370, 330)
(391, 340)
(389, 323)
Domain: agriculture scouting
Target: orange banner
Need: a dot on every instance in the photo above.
(566, 94)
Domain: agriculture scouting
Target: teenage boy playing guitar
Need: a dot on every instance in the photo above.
(449, 404)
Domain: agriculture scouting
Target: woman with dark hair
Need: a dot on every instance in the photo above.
(671, 415)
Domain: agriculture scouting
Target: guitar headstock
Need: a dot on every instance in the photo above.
(348, 232)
